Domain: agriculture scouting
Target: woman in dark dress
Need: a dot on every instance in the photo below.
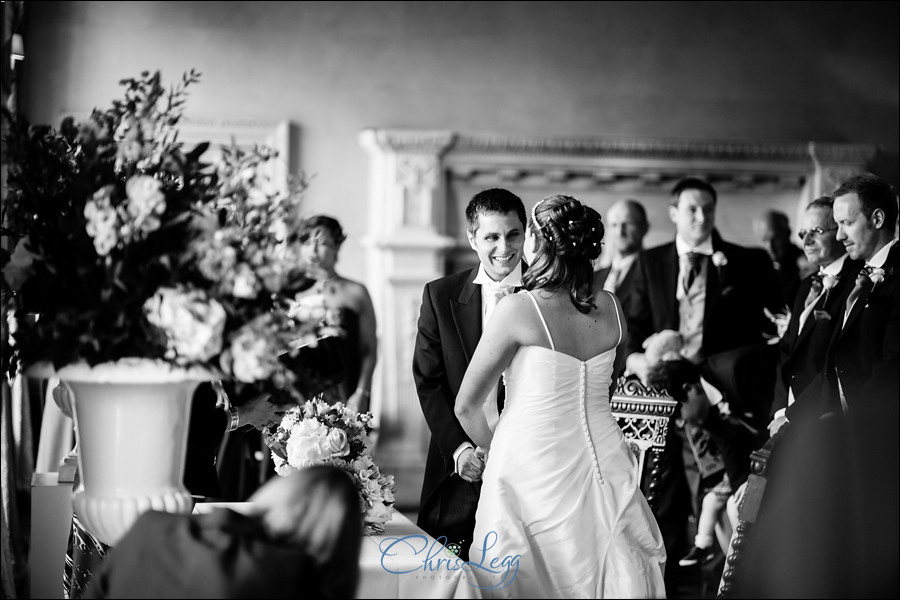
(348, 303)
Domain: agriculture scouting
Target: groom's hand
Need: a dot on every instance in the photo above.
(471, 465)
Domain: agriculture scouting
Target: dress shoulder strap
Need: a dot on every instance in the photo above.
(618, 319)
(541, 315)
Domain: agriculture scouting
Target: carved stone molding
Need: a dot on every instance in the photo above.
(407, 141)
(669, 149)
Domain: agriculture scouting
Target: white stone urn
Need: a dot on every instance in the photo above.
(131, 426)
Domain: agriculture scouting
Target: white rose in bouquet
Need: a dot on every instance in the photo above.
(304, 448)
(336, 443)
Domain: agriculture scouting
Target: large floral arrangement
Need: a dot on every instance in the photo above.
(320, 433)
(125, 244)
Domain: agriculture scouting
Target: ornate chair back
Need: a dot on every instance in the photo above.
(643, 413)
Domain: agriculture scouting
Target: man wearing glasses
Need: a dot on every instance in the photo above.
(817, 308)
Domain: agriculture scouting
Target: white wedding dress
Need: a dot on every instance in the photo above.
(561, 489)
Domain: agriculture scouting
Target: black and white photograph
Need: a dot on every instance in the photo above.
(494, 299)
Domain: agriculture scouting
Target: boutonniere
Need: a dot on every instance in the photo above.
(829, 281)
(719, 259)
(876, 275)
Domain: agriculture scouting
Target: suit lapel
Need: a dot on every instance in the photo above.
(713, 288)
(890, 266)
(799, 336)
(714, 284)
(466, 311)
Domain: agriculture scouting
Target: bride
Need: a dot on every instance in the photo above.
(561, 514)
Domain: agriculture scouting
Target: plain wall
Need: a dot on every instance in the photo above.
(767, 71)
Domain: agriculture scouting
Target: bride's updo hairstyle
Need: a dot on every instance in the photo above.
(568, 236)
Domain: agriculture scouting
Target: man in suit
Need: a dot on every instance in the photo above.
(626, 226)
(862, 361)
(714, 293)
(817, 307)
(454, 309)
(828, 522)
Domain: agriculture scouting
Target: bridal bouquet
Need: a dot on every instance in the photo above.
(320, 433)
(120, 243)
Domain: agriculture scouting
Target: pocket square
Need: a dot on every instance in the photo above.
(821, 315)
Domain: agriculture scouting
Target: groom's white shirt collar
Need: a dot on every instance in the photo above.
(514, 279)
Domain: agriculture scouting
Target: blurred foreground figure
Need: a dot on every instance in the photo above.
(773, 230)
(828, 524)
(302, 539)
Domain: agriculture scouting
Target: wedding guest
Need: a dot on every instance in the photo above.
(300, 538)
(728, 396)
(863, 358)
(773, 230)
(817, 307)
(828, 523)
(714, 293)
(626, 226)
(453, 314)
(350, 307)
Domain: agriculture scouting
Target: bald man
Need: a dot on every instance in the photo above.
(626, 226)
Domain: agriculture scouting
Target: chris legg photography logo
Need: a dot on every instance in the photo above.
(437, 558)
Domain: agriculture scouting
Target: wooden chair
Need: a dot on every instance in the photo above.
(748, 511)
(643, 414)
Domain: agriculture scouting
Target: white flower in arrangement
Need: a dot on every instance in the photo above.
(251, 354)
(319, 433)
(308, 307)
(304, 447)
(192, 322)
(245, 282)
(829, 281)
(719, 259)
(101, 221)
(146, 202)
(336, 443)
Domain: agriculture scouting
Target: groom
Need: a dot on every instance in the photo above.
(454, 310)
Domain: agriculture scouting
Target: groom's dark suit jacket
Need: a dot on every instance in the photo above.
(448, 332)
(864, 352)
(735, 297)
(802, 353)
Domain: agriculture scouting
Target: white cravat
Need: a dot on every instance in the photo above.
(491, 293)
